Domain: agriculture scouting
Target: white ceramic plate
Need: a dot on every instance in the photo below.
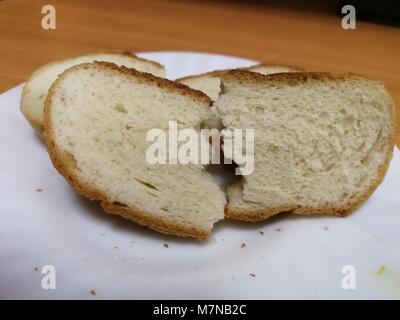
(295, 257)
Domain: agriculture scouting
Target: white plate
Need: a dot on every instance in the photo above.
(91, 250)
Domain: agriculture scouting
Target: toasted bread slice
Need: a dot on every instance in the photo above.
(323, 142)
(36, 88)
(96, 118)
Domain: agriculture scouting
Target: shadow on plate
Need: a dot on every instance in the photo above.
(120, 224)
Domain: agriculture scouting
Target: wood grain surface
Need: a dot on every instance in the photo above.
(307, 34)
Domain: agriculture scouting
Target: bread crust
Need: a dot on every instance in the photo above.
(338, 210)
(217, 73)
(65, 164)
(37, 124)
(131, 54)
(287, 78)
(160, 82)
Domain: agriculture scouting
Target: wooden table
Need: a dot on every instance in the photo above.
(306, 35)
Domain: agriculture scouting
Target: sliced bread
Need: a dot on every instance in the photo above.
(96, 118)
(35, 90)
(210, 82)
(323, 142)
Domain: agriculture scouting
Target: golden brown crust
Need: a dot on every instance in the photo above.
(215, 73)
(276, 65)
(340, 210)
(287, 78)
(131, 54)
(66, 166)
(37, 123)
(143, 218)
(218, 73)
(160, 82)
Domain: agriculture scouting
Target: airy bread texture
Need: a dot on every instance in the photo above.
(210, 82)
(323, 142)
(36, 88)
(96, 118)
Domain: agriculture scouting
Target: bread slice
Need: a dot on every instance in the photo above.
(323, 142)
(35, 89)
(210, 82)
(96, 118)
